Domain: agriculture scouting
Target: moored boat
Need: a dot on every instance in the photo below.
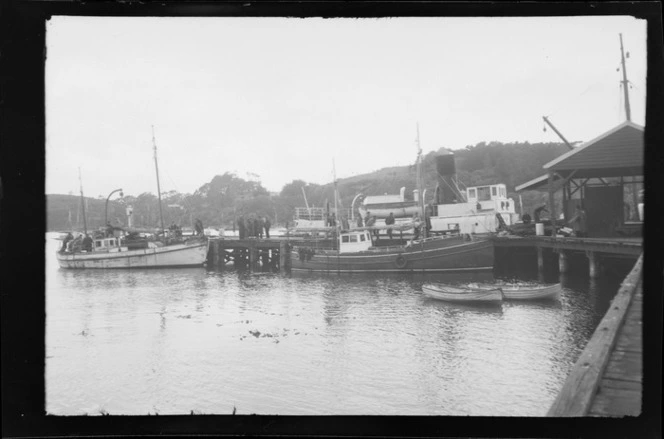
(355, 253)
(110, 249)
(461, 294)
(525, 292)
(357, 249)
(111, 253)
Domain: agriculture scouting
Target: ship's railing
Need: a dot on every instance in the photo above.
(319, 213)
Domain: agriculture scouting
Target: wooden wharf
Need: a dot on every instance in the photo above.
(607, 379)
(595, 249)
(252, 253)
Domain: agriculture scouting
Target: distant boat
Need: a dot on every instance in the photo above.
(524, 292)
(451, 293)
(115, 252)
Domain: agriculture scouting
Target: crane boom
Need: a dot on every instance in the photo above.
(548, 122)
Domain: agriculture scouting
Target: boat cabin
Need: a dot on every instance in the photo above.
(486, 193)
(354, 241)
(106, 244)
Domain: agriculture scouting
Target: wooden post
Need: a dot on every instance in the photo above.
(283, 250)
(221, 249)
(253, 258)
(212, 253)
(540, 259)
(552, 209)
(562, 261)
(593, 264)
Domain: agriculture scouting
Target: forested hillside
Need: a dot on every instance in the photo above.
(226, 196)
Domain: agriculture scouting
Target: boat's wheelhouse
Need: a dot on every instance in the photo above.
(111, 243)
(354, 241)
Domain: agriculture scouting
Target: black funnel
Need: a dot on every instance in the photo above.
(445, 191)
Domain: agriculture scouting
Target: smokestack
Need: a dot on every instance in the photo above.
(402, 192)
(416, 195)
(445, 194)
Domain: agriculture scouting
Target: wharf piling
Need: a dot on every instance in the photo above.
(255, 254)
(548, 248)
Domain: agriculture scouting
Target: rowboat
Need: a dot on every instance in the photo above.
(524, 292)
(461, 294)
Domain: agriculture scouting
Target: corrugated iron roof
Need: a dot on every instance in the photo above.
(618, 148)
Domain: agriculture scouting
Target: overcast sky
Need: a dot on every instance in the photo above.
(282, 98)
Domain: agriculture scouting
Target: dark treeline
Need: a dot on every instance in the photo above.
(226, 196)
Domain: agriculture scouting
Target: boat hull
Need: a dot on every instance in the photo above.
(178, 255)
(432, 255)
(452, 294)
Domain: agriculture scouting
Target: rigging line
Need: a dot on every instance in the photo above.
(569, 102)
(448, 185)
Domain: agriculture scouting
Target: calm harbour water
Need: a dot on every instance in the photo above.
(171, 341)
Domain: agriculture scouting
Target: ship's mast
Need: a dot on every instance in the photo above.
(156, 166)
(420, 184)
(337, 219)
(85, 223)
(625, 82)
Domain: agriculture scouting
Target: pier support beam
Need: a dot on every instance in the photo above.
(213, 254)
(562, 261)
(540, 259)
(221, 250)
(594, 265)
(253, 258)
(283, 256)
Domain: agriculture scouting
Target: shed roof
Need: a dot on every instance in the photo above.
(619, 151)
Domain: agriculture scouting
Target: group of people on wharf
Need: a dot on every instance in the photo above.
(577, 222)
(253, 226)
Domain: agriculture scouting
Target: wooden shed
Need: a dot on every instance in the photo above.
(605, 176)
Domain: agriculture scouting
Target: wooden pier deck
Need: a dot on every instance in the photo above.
(616, 246)
(607, 379)
(595, 249)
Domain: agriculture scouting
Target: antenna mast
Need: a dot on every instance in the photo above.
(624, 82)
(156, 166)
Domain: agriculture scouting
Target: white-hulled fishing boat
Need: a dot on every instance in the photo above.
(460, 294)
(112, 252)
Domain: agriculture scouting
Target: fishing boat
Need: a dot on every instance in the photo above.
(356, 249)
(524, 292)
(116, 251)
(355, 253)
(462, 294)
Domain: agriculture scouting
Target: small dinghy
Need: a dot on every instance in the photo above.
(530, 292)
(523, 292)
(460, 294)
